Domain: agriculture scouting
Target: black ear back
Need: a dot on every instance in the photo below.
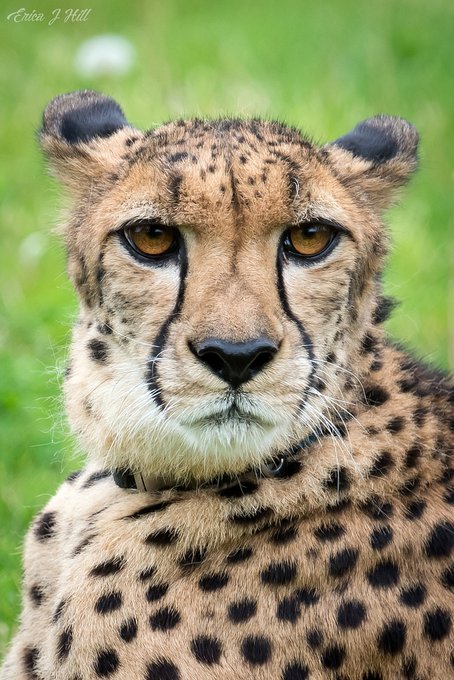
(82, 116)
(381, 139)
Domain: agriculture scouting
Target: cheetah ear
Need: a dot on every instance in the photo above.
(376, 158)
(80, 137)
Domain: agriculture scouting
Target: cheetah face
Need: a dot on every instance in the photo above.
(225, 271)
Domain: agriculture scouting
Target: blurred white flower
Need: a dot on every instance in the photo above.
(32, 248)
(104, 55)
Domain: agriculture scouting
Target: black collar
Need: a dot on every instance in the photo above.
(278, 467)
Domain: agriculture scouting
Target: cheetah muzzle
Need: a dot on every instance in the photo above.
(269, 485)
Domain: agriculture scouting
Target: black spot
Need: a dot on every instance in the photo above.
(351, 614)
(211, 582)
(295, 671)
(384, 575)
(375, 395)
(284, 535)
(371, 675)
(82, 545)
(128, 630)
(381, 465)
(414, 596)
(307, 596)
(162, 537)
(64, 643)
(415, 510)
(58, 611)
(377, 508)
(108, 568)
(338, 480)
(240, 555)
(98, 350)
(278, 573)
(409, 668)
(381, 537)
(176, 157)
(155, 592)
(448, 496)
(420, 415)
(408, 384)
(314, 638)
(391, 639)
(175, 187)
(342, 562)
(412, 456)
(242, 610)
(95, 477)
(161, 669)
(339, 506)
(289, 469)
(36, 595)
(105, 329)
(447, 476)
(441, 540)
(238, 490)
(192, 558)
(383, 310)
(106, 663)
(149, 509)
(165, 618)
(30, 660)
(437, 624)
(333, 656)
(289, 609)
(368, 344)
(108, 603)
(45, 526)
(73, 476)
(329, 532)
(447, 577)
(256, 649)
(206, 649)
(396, 425)
(376, 365)
(253, 516)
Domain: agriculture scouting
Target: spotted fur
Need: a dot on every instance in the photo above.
(337, 564)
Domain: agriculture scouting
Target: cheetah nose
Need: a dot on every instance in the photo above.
(234, 362)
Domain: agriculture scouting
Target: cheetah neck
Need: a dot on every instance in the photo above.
(278, 467)
(377, 462)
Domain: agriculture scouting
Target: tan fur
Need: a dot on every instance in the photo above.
(347, 569)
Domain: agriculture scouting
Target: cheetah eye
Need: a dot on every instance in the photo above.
(310, 240)
(151, 239)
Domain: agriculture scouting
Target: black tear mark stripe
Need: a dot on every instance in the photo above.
(307, 342)
(161, 338)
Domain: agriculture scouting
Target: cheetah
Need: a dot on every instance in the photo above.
(269, 486)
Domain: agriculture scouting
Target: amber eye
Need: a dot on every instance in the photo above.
(310, 239)
(151, 239)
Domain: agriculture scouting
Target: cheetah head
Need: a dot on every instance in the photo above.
(226, 271)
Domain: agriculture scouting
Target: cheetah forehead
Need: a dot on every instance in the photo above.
(261, 167)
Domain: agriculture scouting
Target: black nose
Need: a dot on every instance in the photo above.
(234, 362)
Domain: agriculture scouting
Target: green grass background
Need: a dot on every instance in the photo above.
(321, 65)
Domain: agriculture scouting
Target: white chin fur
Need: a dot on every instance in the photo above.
(133, 432)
